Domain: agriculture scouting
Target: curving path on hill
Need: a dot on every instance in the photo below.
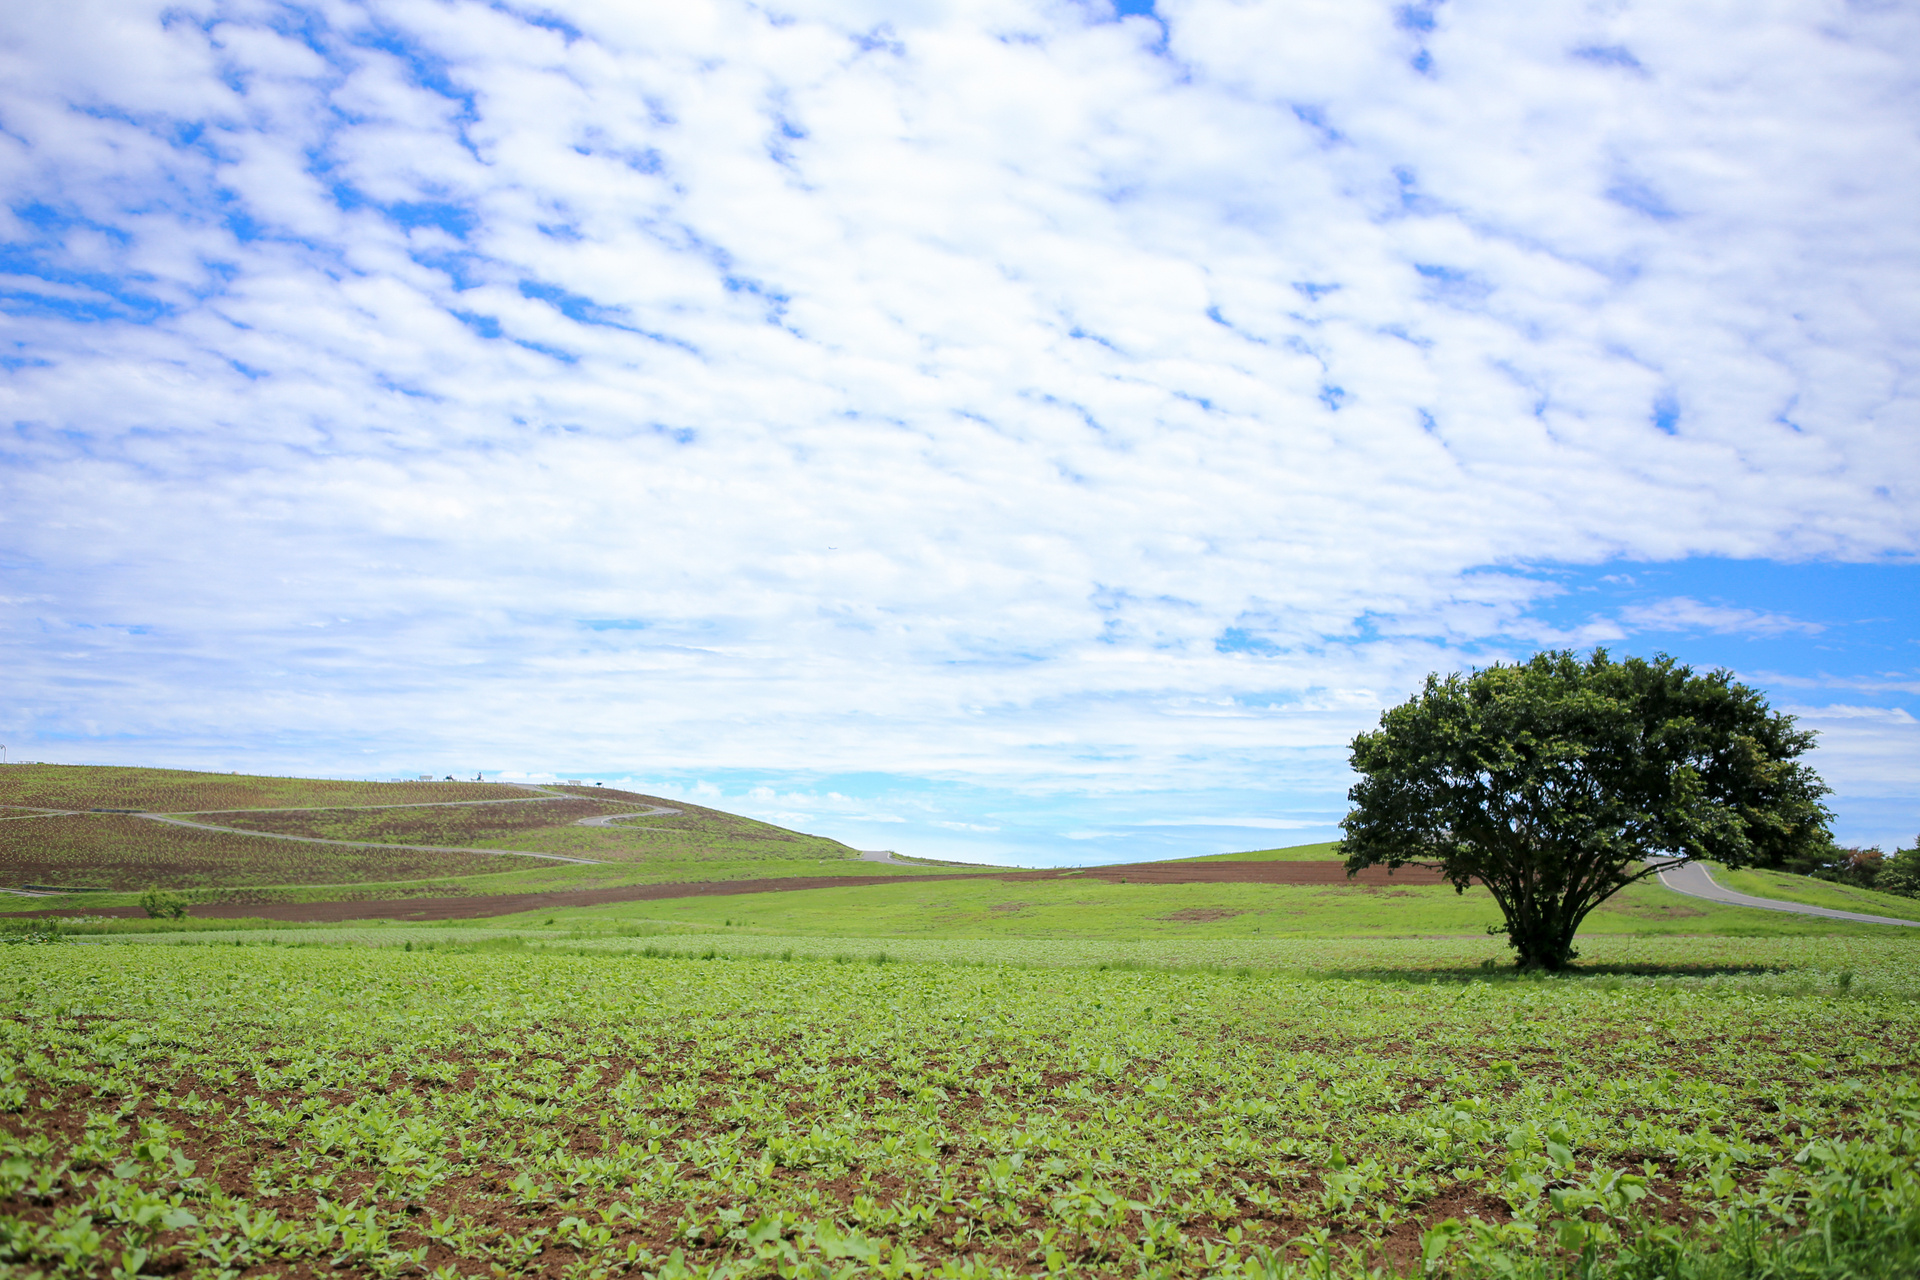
(363, 844)
(182, 819)
(608, 819)
(1692, 879)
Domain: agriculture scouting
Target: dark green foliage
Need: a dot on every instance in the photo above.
(1901, 873)
(1553, 781)
(1866, 869)
(163, 904)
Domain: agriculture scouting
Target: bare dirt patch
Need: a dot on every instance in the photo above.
(1200, 915)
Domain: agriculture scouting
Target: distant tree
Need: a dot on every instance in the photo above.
(1901, 873)
(1554, 781)
(1859, 866)
(162, 904)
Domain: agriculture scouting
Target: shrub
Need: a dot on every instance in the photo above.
(163, 904)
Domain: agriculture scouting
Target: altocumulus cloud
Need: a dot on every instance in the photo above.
(922, 407)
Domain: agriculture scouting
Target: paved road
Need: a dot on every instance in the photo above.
(1692, 879)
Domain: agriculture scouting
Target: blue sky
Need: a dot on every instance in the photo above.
(1019, 431)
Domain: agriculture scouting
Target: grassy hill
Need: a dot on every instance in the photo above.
(1817, 893)
(78, 827)
(1327, 851)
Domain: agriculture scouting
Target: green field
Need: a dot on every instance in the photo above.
(989, 908)
(463, 1109)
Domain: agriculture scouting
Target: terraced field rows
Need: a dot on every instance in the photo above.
(437, 824)
(120, 851)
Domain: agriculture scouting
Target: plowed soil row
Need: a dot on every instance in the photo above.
(475, 907)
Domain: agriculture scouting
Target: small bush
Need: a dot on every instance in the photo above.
(163, 904)
(30, 932)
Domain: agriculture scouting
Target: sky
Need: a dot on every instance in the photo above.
(1009, 431)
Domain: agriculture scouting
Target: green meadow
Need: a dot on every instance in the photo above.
(1083, 907)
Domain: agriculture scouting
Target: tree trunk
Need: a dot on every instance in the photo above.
(1539, 932)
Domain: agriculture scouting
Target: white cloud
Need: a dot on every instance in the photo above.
(1269, 824)
(1871, 752)
(983, 394)
(1680, 613)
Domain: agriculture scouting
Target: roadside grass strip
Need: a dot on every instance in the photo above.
(496, 1106)
(1787, 887)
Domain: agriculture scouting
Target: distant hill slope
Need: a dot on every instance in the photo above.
(1328, 851)
(552, 824)
(53, 832)
(76, 786)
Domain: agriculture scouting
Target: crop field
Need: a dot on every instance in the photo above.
(307, 1111)
(122, 852)
(52, 786)
(436, 824)
(550, 826)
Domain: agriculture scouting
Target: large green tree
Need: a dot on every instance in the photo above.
(1554, 782)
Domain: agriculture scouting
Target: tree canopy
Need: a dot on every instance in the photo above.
(1554, 781)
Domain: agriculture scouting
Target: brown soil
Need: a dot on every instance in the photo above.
(1201, 915)
(478, 906)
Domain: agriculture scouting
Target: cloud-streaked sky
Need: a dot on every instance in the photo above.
(1013, 431)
